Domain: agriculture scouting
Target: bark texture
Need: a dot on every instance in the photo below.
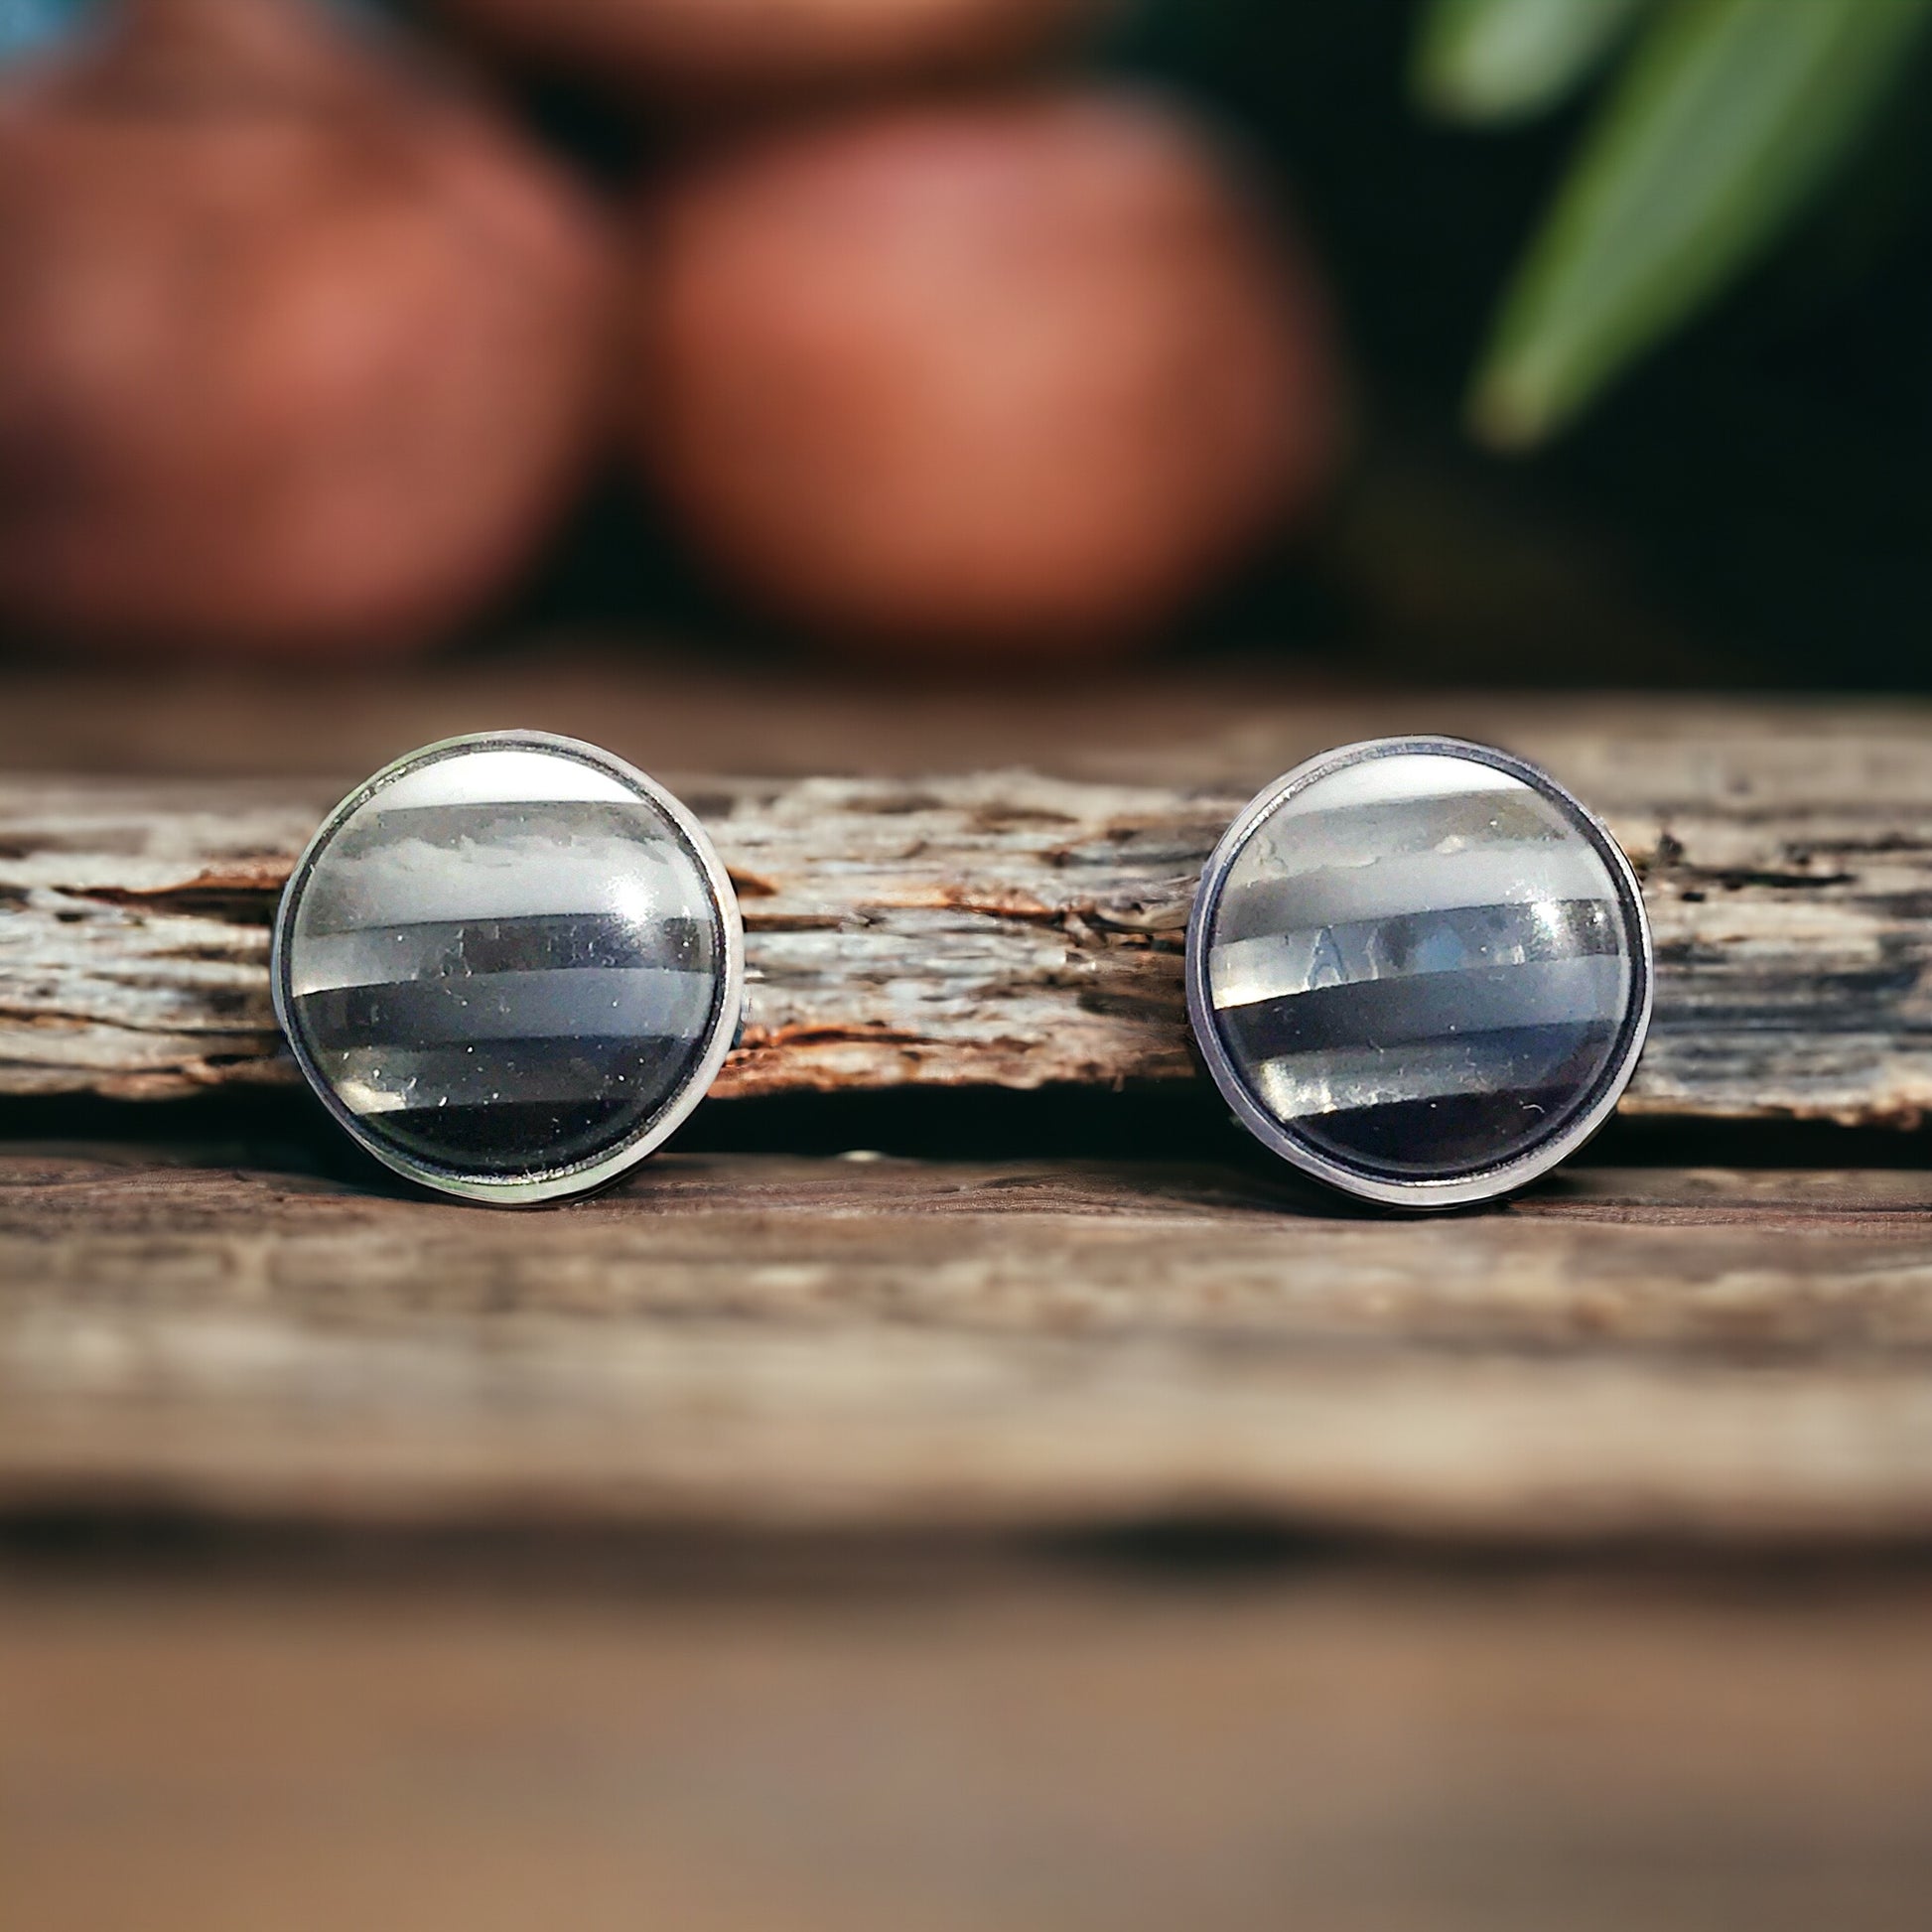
(1020, 928)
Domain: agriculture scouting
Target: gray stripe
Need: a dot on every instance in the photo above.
(1500, 875)
(457, 949)
(566, 1003)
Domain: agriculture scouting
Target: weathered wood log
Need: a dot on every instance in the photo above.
(756, 1341)
(744, 1342)
(1020, 928)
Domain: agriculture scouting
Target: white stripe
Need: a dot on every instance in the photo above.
(1396, 779)
(422, 882)
(519, 777)
(1300, 1086)
(1278, 965)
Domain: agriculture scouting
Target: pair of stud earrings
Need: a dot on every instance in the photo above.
(1417, 969)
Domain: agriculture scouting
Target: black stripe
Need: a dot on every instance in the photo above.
(1344, 895)
(625, 1082)
(441, 1012)
(1448, 1136)
(1370, 1014)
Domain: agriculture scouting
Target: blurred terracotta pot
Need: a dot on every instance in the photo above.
(299, 354)
(686, 53)
(1021, 376)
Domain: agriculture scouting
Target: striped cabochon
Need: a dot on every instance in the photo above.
(507, 959)
(1419, 964)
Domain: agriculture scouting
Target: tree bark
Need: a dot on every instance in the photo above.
(1019, 929)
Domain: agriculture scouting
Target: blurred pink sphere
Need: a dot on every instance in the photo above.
(297, 357)
(1017, 375)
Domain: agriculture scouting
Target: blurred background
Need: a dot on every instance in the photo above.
(1471, 342)
(373, 368)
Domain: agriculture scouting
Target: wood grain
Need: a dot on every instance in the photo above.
(1361, 1752)
(765, 1342)
(1024, 928)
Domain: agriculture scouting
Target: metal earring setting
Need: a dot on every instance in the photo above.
(510, 965)
(1418, 970)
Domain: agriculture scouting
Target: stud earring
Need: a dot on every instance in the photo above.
(510, 965)
(1419, 971)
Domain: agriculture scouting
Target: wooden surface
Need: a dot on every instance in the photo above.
(792, 1541)
(1085, 1751)
(770, 1342)
(957, 920)
(785, 1342)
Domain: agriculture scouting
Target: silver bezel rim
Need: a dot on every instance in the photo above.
(583, 1178)
(1423, 1194)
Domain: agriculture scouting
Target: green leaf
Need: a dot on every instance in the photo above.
(1488, 61)
(1730, 116)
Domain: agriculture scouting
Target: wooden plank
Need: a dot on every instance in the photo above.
(1022, 928)
(1188, 723)
(1408, 1751)
(759, 1342)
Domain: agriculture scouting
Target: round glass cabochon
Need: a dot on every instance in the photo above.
(1420, 962)
(508, 963)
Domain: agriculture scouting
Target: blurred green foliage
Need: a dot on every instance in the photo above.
(1726, 119)
(1480, 61)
